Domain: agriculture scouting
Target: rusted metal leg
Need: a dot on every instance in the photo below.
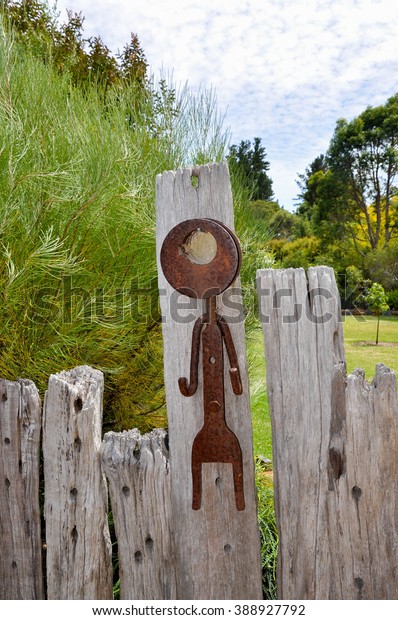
(196, 484)
(238, 484)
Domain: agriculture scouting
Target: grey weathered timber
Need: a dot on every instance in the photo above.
(76, 500)
(370, 484)
(139, 484)
(20, 538)
(334, 447)
(300, 353)
(217, 547)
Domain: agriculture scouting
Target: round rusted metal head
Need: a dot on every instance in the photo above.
(200, 258)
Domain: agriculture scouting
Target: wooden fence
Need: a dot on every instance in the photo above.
(335, 442)
(76, 543)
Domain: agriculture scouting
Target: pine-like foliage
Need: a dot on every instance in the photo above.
(86, 60)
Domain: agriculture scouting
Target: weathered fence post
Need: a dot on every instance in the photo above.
(79, 562)
(371, 486)
(21, 547)
(217, 547)
(335, 443)
(138, 471)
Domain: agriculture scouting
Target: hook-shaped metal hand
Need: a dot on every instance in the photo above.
(189, 389)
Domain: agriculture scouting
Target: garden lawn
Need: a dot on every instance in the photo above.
(361, 352)
(360, 348)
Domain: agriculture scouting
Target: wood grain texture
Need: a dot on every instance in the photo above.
(300, 354)
(371, 486)
(137, 468)
(20, 538)
(76, 499)
(217, 547)
(334, 447)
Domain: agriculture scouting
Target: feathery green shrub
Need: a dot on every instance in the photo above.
(78, 280)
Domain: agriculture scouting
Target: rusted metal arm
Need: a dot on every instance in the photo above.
(189, 389)
(234, 371)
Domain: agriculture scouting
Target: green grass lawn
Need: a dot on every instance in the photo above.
(361, 352)
(359, 340)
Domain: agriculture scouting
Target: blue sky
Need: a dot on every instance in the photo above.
(283, 70)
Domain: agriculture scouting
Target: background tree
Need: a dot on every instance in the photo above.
(363, 164)
(133, 63)
(383, 265)
(101, 64)
(355, 289)
(377, 303)
(64, 45)
(308, 183)
(264, 210)
(282, 224)
(250, 161)
(348, 197)
(67, 50)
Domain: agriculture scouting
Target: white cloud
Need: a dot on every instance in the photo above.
(285, 70)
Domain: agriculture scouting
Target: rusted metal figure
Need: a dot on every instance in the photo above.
(205, 275)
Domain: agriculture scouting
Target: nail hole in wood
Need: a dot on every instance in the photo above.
(73, 493)
(218, 482)
(356, 492)
(359, 583)
(78, 444)
(74, 534)
(6, 441)
(14, 564)
(8, 483)
(336, 461)
(78, 404)
(149, 543)
(126, 491)
(4, 397)
(138, 557)
(227, 549)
